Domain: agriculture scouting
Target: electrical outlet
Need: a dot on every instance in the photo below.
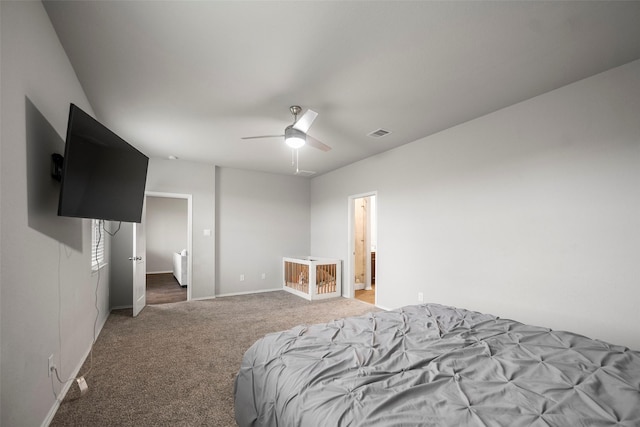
(420, 297)
(264, 276)
(50, 365)
(242, 277)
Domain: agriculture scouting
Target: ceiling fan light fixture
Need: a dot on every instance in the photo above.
(294, 138)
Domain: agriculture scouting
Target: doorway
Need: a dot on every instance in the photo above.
(168, 247)
(363, 247)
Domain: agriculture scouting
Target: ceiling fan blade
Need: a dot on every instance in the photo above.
(311, 141)
(262, 136)
(304, 122)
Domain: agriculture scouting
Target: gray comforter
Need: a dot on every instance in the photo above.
(431, 365)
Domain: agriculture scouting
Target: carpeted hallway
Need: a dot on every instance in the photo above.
(174, 365)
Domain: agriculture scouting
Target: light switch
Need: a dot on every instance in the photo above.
(206, 232)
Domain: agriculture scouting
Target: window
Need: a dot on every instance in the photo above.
(97, 245)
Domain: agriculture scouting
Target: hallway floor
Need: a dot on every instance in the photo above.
(163, 288)
(367, 296)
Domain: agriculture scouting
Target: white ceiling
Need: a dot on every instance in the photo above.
(191, 78)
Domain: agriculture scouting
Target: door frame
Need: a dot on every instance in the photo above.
(349, 288)
(189, 199)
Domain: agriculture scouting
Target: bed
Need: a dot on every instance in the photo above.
(432, 365)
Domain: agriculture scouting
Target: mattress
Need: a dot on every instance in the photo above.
(432, 365)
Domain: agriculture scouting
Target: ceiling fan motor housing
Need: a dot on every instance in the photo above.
(293, 137)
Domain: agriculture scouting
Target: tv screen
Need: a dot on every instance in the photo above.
(103, 177)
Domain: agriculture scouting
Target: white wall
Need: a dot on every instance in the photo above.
(531, 213)
(166, 232)
(199, 180)
(261, 218)
(47, 290)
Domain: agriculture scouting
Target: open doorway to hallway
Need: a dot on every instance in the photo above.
(364, 244)
(166, 227)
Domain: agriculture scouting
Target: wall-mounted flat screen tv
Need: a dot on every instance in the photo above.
(103, 177)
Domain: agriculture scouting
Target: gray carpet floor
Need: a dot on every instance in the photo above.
(175, 364)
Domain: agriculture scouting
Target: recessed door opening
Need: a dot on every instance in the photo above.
(166, 250)
(363, 244)
(166, 231)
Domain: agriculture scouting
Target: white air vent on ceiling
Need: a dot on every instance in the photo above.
(378, 133)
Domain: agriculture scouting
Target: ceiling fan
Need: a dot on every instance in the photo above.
(295, 135)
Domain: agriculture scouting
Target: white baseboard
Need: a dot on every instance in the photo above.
(248, 292)
(159, 272)
(120, 307)
(65, 388)
(203, 298)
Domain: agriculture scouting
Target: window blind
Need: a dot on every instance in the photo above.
(97, 245)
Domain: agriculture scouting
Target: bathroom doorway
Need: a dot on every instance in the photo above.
(364, 244)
